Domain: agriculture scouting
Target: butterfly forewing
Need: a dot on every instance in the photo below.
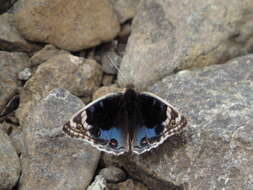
(101, 124)
(158, 121)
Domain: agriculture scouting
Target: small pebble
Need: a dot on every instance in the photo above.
(107, 80)
(113, 174)
(98, 184)
(25, 74)
(110, 62)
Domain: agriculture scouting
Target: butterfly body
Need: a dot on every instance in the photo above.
(126, 122)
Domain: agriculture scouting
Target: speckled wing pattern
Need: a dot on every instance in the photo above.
(100, 124)
(116, 125)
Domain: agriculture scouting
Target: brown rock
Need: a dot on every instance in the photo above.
(81, 77)
(173, 35)
(107, 80)
(10, 65)
(9, 163)
(10, 39)
(70, 25)
(44, 54)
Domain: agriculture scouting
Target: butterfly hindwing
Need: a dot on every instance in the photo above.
(101, 124)
(157, 121)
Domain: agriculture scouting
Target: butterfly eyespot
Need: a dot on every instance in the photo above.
(144, 141)
(79, 126)
(173, 122)
(113, 143)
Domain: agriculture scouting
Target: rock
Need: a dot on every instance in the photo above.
(6, 127)
(131, 184)
(69, 25)
(110, 62)
(17, 139)
(5, 5)
(53, 160)
(172, 35)
(9, 163)
(10, 39)
(125, 9)
(80, 76)
(107, 80)
(105, 90)
(25, 74)
(113, 174)
(10, 65)
(125, 30)
(44, 54)
(98, 184)
(215, 151)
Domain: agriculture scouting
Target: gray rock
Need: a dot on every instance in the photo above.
(10, 65)
(173, 35)
(10, 39)
(107, 80)
(98, 184)
(52, 160)
(44, 54)
(215, 151)
(6, 127)
(9, 163)
(79, 25)
(113, 174)
(125, 9)
(17, 139)
(80, 76)
(25, 74)
(110, 62)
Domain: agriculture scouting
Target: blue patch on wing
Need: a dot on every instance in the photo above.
(113, 133)
(144, 132)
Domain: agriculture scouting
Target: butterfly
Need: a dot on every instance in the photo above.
(126, 121)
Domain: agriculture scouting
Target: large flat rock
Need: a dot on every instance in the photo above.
(69, 25)
(215, 150)
(52, 160)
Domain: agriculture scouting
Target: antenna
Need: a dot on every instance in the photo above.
(116, 67)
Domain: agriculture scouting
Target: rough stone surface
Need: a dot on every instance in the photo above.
(215, 151)
(10, 39)
(125, 9)
(107, 80)
(9, 163)
(106, 90)
(17, 139)
(171, 35)
(10, 65)
(25, 74)
(52, 160)
(80, 76)
(110, 62)
(131, 184)
(113, 174)
(98, 184)
(70, 25)
(44, 54)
